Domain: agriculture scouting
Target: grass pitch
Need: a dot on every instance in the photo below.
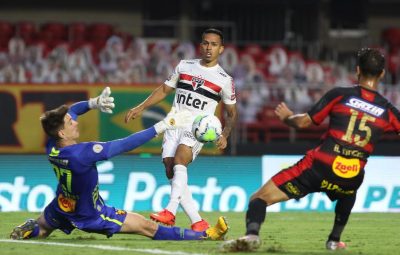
(282, 233)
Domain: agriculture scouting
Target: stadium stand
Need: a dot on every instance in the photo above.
(79, 52)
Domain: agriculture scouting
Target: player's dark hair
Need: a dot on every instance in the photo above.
(53, 120)
(371, 62)
(214, 31)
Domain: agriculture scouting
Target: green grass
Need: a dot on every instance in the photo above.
(282, 233)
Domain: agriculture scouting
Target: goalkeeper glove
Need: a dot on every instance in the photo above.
(173, 120)
(104, 102)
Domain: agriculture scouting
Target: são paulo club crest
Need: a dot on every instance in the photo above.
(197, 82)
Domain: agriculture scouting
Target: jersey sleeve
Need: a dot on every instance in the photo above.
(173, 79)
(323, 107)
(92, 152)
(78, 108)
(89, 153)
(228, 92)
(394, 118)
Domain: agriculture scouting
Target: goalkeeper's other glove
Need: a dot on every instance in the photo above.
(173, 120)
(104, 102)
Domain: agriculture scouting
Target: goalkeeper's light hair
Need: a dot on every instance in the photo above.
(53, 120)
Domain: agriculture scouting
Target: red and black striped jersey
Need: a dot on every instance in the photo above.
(358, 118)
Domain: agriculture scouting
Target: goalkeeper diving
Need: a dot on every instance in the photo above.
(78, 203)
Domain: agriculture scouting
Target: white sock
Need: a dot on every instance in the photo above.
(178, 184)
(189, 206)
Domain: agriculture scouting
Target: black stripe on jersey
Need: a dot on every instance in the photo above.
(200, 91)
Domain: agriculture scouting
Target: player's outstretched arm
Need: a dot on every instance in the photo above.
(156, 96)
(171, 121)
(286, 115)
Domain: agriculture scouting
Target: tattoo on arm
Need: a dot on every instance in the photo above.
(230, 120)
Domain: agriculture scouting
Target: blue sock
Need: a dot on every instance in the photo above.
(35, 231)
(174, 233)
(167, 233)
(189, 234)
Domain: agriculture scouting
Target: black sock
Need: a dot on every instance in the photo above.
(342, 214)
(255, 216)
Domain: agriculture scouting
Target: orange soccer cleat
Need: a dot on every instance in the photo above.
(165, 217)
(200, 226)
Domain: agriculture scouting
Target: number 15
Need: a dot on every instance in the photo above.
(356, 139)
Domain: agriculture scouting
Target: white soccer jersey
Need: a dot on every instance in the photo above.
(199, 89)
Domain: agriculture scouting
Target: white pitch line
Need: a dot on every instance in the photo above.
(101, 247)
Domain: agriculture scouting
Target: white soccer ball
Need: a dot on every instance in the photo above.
(206, 128)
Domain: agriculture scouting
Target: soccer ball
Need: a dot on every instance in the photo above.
(206, 128)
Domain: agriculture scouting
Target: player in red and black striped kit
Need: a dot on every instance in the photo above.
(358, 116)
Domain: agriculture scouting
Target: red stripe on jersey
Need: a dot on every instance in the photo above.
(325, 157)
(341, 108)
(379, 123)
(185, 77)
(336, 133)
(339, 134)
(367, 95)
(208, 84)
(329, 158)
(321, 115)
(395, 123)
(292, 172)
(212, 86)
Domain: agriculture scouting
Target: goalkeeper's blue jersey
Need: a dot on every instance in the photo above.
(77, 192)
(75, 168)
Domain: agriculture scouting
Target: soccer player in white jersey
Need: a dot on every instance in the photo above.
(199, 86)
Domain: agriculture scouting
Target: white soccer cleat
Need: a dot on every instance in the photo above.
(333, 245)
(244, 243)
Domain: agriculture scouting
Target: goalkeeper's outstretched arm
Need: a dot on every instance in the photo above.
(171, 121)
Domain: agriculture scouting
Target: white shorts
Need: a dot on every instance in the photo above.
(172, 138)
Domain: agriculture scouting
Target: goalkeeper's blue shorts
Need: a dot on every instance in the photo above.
(107, 222)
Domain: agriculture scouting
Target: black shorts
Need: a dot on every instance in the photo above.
(335, 175)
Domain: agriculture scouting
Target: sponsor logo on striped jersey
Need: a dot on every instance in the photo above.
(365, 106)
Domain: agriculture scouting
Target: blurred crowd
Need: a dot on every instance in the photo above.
(112, 64)
(263, 76)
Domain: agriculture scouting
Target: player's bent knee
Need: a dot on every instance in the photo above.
(270, 193)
